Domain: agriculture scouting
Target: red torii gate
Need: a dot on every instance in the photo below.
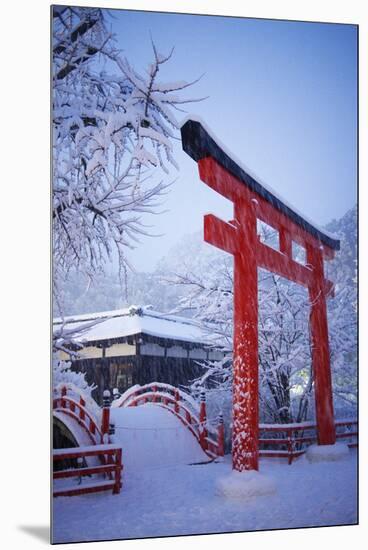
(239, 237)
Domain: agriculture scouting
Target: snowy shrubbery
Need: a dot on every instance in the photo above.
(75, 384)
(62, 374)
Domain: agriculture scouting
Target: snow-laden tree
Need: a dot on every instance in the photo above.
(284, 350)
(63, 375)
(343, 313)
(113, 132)
(284, 344)
(66, 342)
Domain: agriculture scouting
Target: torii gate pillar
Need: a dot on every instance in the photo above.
(245, 364)
(326, 434)
(239, 237)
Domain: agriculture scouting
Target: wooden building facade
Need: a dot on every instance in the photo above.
(138, 346)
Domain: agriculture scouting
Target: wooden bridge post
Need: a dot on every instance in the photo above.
(177, 399)
(105, 416)
(63, 394)
(154, 397)
(202, 421)
(82, 404)
(221, 436)
(118, 468)
(290, 446)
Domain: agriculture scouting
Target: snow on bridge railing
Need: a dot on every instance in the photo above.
(107, 475)
(160, 386)
(182, 405)
(76, 393)
(77, 410)
(293, 438)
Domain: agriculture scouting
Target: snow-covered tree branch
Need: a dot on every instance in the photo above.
(113, 132)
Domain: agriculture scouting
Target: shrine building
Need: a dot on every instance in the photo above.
(118, 349)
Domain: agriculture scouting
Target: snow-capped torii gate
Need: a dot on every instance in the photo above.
(253, 201)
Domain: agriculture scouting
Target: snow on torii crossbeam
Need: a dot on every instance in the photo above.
(239, 237)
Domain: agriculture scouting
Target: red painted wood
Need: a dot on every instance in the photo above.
(76, 452)
(82, 404)
(285, 242)
(294, 438)
(155, 397)
(103, 469)
(240, 239)
(177, 399)
(274, 261)
(113, 465)
(117, 486)
(245, 364)
(270, 441)
(290, 447)
(217, 177)
(83, 490)
(105, 422)
(221, 439)
(221, 234)
(212, 448)
(69, 406)
(202, 429)
(326, 433)
(81, 423)
(346, 434)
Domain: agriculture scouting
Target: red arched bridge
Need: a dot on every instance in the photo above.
(155, 425)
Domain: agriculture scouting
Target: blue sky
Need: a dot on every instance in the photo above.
(282, 97)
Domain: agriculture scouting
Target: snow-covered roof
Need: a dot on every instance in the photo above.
(130, 321)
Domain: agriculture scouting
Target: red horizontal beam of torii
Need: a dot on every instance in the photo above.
(239, 237)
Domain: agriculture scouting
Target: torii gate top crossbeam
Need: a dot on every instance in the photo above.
(198, 144)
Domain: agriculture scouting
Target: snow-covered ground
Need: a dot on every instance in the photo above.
(162, 495)
(152, 437)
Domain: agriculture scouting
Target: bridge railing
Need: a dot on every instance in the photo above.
(138, 393)
(291, 440)
(76, 393)
(108, 472)
(77, 410)
(182, 405)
